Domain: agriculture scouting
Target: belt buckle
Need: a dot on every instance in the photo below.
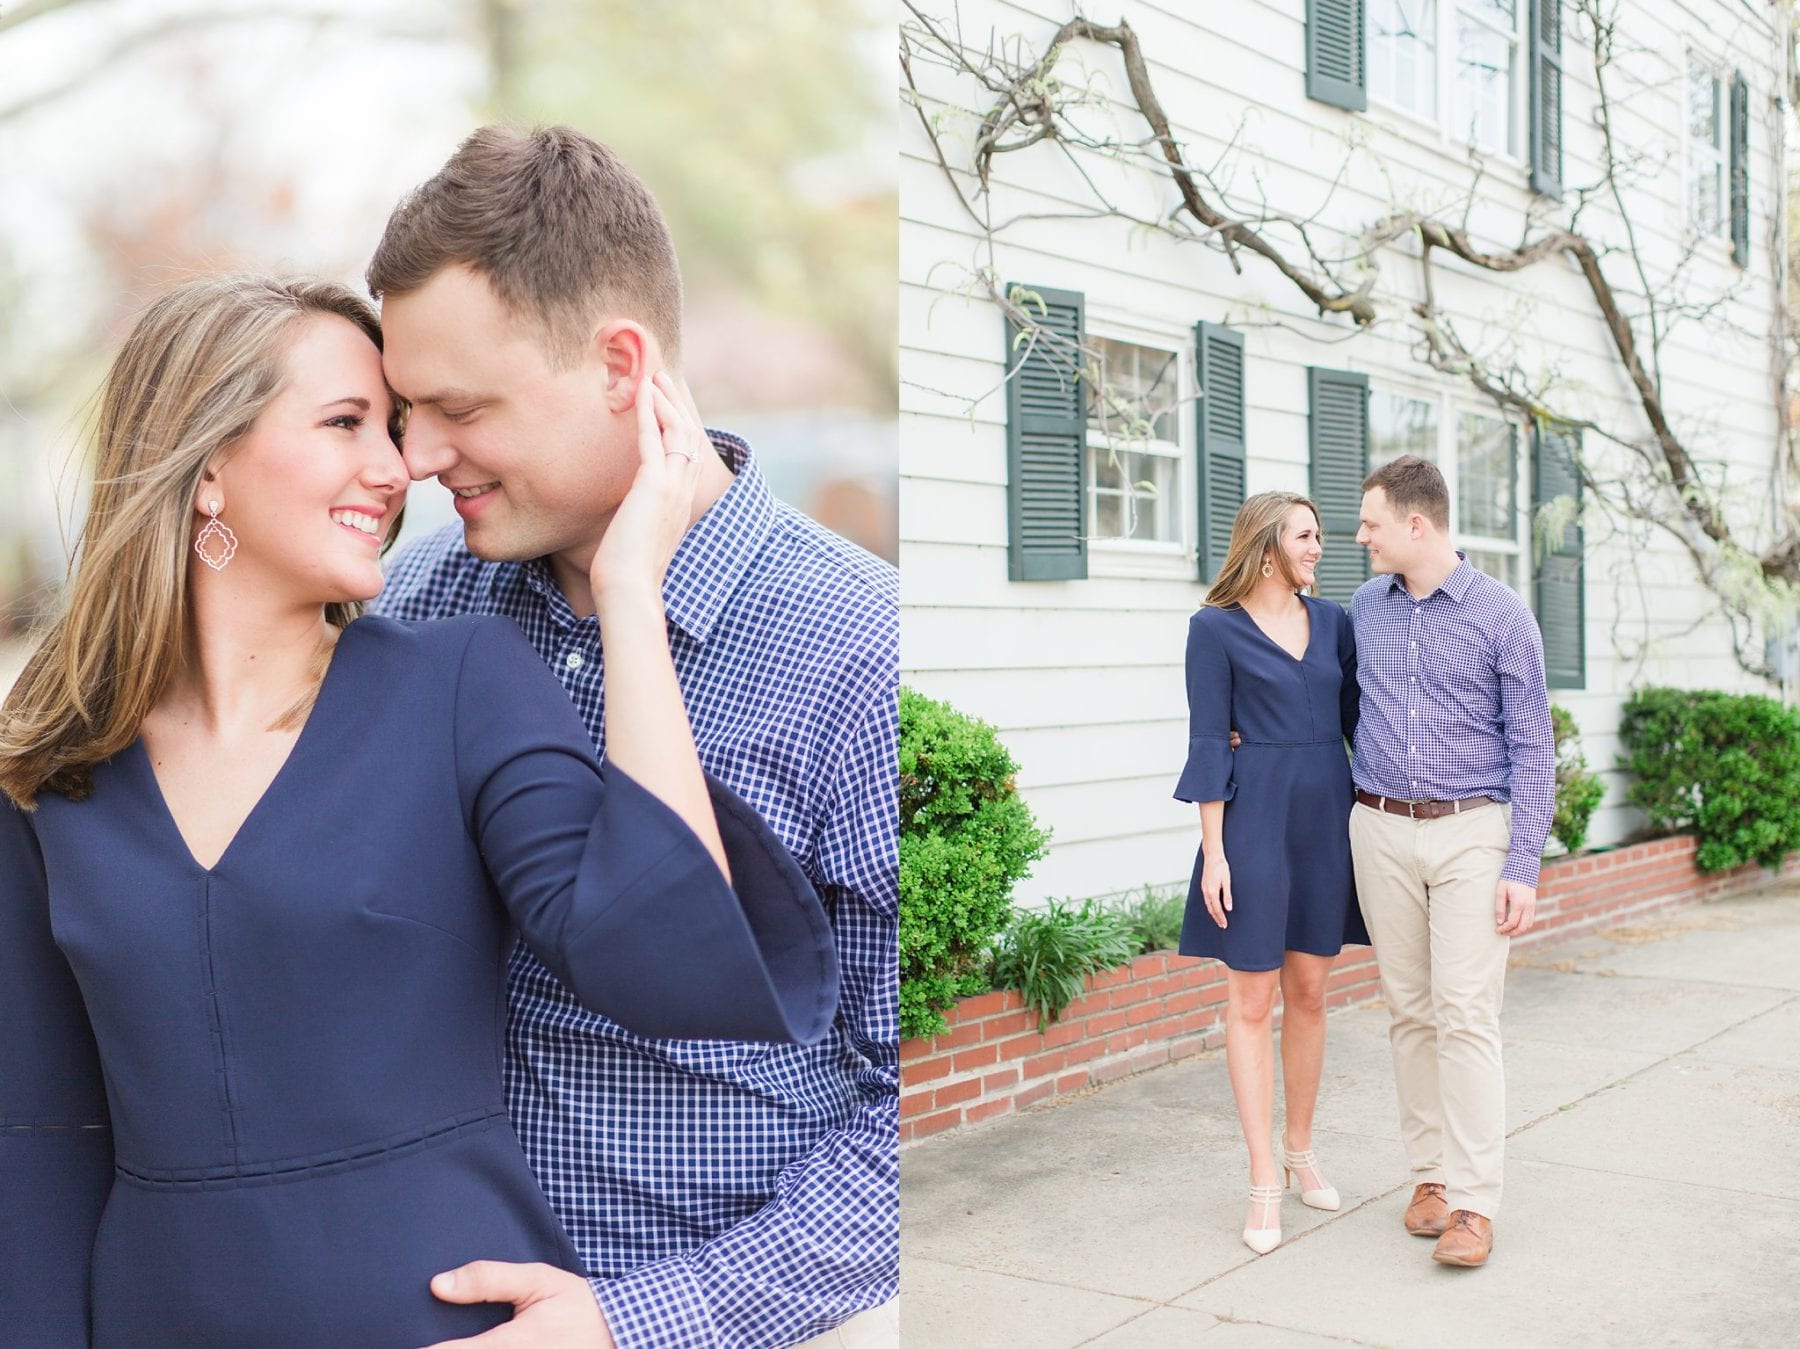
(1412, 811)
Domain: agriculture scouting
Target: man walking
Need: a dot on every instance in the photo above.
(742, 1195)
(1455, 788)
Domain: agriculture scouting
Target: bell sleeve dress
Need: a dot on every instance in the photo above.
(301, 1046)
(1286, 788)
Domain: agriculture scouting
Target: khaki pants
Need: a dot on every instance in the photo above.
(877, 1328)
(1427, 891)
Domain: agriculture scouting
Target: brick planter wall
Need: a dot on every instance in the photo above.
(992, 1061)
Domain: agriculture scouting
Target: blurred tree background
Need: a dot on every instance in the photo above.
(142, 141)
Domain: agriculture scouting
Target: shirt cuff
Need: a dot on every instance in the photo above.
(656, 1307)
(1520, 868)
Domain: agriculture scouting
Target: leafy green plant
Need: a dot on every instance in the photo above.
(1047, 954)
(1154, 917)
(1725, 765)
(1578, 788)
(966, 839)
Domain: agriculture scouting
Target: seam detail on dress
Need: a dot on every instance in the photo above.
(215, 1015)
(319, 1164)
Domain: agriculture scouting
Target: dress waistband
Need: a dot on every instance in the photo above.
(278, 1171)
(1288, 744)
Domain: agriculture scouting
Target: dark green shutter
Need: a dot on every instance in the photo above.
(1546, 98)
(1339, 439)
(1046, 437)
(1740, 170)
(1336, 47)
(1561, 604)
(1219, 419)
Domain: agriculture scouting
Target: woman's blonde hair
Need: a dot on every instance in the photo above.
(196, 372)
(1255, 533)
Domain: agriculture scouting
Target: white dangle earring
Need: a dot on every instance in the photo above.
(219, 530)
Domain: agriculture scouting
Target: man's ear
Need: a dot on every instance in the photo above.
(626, 353)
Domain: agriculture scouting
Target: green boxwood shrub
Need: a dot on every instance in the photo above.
(1725, 765)
(1578, 788)
(966, 839)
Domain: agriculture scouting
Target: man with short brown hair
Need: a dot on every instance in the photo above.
(719, 1193)
(1455, 786)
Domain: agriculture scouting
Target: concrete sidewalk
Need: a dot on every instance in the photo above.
(1652, 1181)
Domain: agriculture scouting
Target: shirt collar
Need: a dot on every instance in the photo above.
(1455, 585)
(712, 556)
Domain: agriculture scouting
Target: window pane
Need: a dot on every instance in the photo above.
(1484, 85)
(1140, 394)
(1501, 11)
(1134, 495)
(1706, 193)
(1500, 566)
(1399, 425)
(1109, 515)
(1403, 54)
(1703, 103)
(1485, 472)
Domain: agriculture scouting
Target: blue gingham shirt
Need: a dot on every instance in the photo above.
(1454, 703)
(725, 1193)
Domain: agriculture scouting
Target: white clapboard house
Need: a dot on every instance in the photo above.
(1050, 562)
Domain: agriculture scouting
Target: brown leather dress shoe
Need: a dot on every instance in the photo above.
(1428, 1215)
(1466, 1241)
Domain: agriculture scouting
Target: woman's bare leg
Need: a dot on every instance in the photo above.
(1250, 1060)
(1303, 979)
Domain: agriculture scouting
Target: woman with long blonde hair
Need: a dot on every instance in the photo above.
(1272, 896)
(261, 861)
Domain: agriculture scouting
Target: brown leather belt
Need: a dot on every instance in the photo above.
(1422, 810)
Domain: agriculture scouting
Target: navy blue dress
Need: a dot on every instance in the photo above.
(301, 1046)
(1286, 790)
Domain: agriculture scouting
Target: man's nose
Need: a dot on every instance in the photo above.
(426, 454)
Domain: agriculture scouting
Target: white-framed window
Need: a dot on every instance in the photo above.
(1135, 449)
(1484, 501)
(1705, 147)
(1486, 75)
(1473, 49)
(1401, 424)
(1402, 55)
(1477, 451)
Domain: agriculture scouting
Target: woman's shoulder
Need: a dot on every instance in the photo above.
(1210, 625)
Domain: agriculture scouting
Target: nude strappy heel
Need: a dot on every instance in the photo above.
(1262, 1240)
(1325, 1197)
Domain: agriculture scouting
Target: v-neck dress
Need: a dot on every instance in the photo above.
(301, 1046)
(1286, 789)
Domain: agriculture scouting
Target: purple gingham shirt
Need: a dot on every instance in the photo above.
(1454, 703)
(739, 1195)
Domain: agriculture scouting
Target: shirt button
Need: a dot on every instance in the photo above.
(572, 660)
